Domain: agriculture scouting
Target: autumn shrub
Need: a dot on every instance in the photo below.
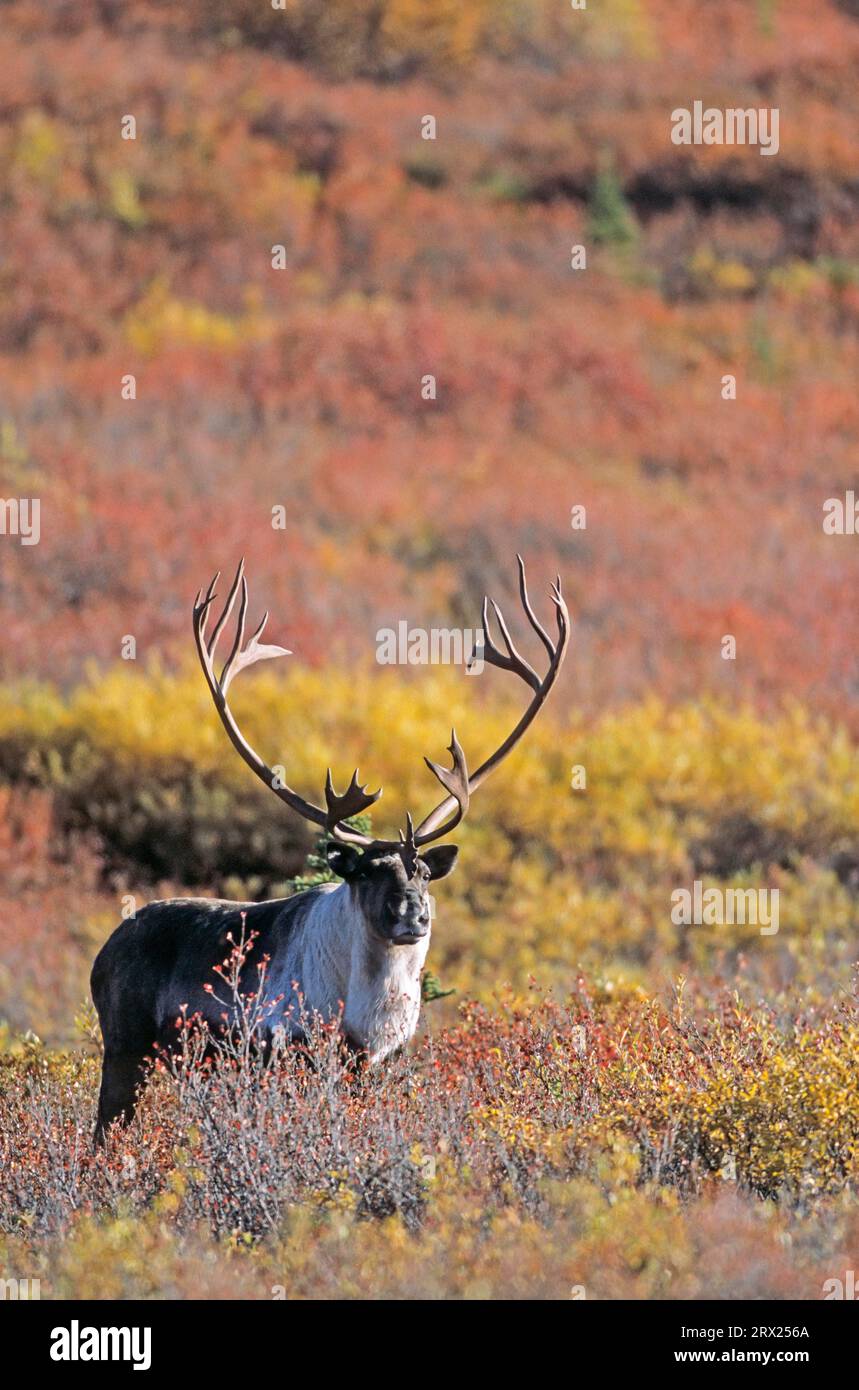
(761, 1099)
(389, 39)
(271, 1122)
(609, 1138)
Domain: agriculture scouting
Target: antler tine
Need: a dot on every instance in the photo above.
(202, 605)
(562, 613)
(228, 606)
(455, 781)
(531, 615)
(201, 617)
(491, 652)
(513, 661)
(238, 641)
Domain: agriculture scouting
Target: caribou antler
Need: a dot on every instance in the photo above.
(459, 785)
(355, 799)
(433, 826)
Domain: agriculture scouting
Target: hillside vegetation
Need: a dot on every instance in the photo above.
(607, 1100)
(301, 388)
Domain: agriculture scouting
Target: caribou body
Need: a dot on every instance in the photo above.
(352, 951)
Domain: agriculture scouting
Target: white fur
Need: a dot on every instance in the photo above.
(337, 959)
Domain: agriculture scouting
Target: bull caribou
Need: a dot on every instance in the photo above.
(351, 951)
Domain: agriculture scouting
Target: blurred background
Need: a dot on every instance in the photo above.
(300, 388)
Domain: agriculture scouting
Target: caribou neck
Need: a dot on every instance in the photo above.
(345, 961)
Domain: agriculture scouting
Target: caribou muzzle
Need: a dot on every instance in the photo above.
(407, 921)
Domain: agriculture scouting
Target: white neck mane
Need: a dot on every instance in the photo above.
(335, 957)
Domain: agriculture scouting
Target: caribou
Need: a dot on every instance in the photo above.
(350, 952)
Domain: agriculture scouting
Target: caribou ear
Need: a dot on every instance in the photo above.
(441, 860)
(343, 860)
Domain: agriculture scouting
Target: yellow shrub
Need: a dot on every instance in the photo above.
(551, 878)
(159, 320)
(789, 1122)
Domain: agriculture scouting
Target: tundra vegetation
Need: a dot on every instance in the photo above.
(609, 1099)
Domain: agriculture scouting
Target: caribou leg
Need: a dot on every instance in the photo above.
(121, 1075)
